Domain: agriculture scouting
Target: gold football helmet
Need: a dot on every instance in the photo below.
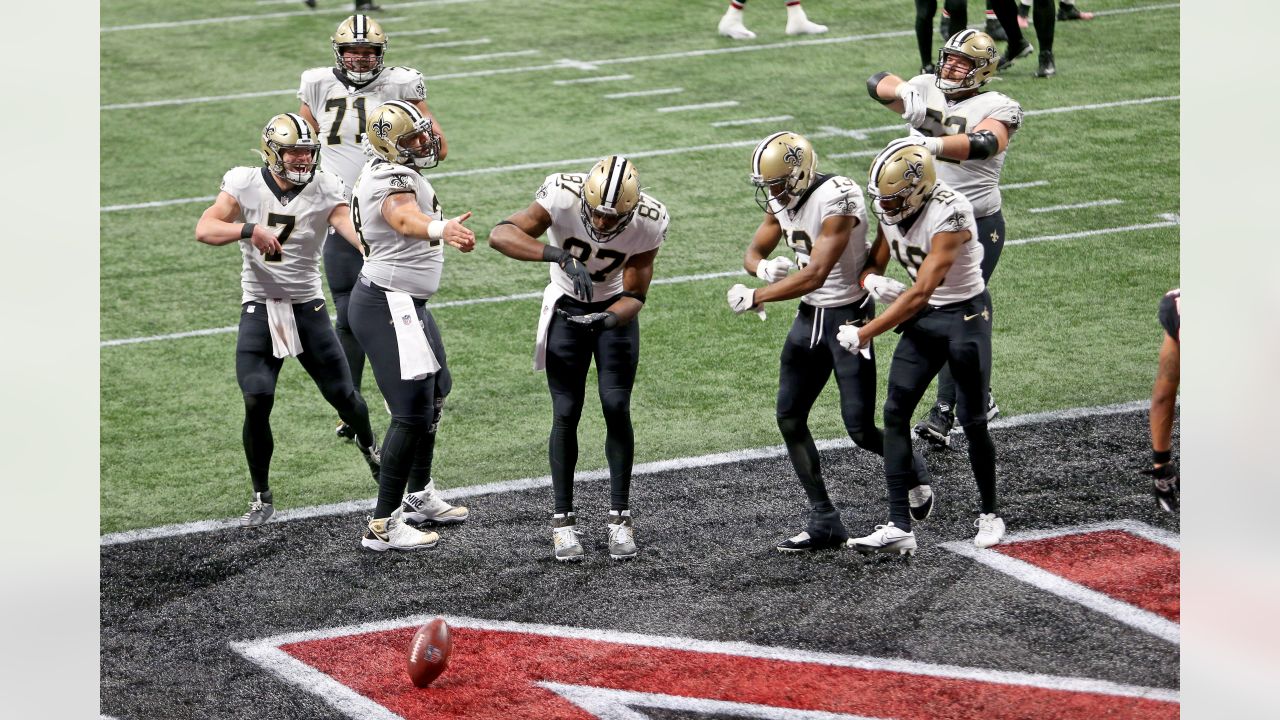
(399, 132)
(285, 132)
(354, 32)
(979, 50)
(610, 196)
(902, 181)
(782, 169)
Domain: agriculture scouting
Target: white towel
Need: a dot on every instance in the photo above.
(549, 298)
(284, 329)
(416, 358)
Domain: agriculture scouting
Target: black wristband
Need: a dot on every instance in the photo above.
(551, 253)
(635, 295)
(872, 83)
(246, 230)
(1161, 457)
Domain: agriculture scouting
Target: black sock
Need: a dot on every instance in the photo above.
(355, 412)
(256, 434)
(1007, 13)
(562, 448)
(982, 459)
(925, 10)
(804, 458)
(398, 450)
(1045, 19)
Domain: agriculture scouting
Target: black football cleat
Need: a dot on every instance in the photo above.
(1165, 486)
(345, 431)
(823, 534)
(936, 428)
(1011, 54)
(929, 69)
(1071, 12)
(310, 3)
(1047, 68)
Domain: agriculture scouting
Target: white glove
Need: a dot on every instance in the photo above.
(932, 144)
(884, 289)
(850, 340)
(913, 105)
(771, 271)
(742, 299)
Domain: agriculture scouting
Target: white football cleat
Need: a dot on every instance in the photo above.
(426, 506)
(391, 534)
(799, 24)
(622, 538)
(564, 537)
(990, 530)
(731, 25)
(886, 539)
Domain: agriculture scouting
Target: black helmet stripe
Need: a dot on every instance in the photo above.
(300, 127)
(358, 28)
(414, 113)
(613, 181)
(755, 159)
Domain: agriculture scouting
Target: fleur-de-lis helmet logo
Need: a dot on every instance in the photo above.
(794, 156)
(914, 172)
(382, 128)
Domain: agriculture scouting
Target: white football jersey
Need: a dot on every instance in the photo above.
(561, 196)
(946, 211)
(342, 109)
(978, 180)
(300, 219)
(801, 228)
(395, 261)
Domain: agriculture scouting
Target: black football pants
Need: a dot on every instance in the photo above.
(991, 235)
(342, 264)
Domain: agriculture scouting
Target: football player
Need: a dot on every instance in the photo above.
(336, 101)
(945, 318)
(823, 220)
(401, 227)
(1164, 395)
(279, 213)
(731, 25)
(1045, 26)
(969, 132)
(603, 234)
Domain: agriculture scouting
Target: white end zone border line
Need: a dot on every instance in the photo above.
(1118, 610)
(649, 468)
(267, 654)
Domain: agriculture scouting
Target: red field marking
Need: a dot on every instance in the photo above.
(494, 674)
(1113, 562)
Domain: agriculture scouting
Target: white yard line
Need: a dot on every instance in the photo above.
(454, 43)
(660, 281)
(1076, 206)
(643, 93)
(700, 106)
(752, 121)
(424, 31)
(270, 16)
(491, 56)
(579, 81)
(649, 468)
(1019, 186)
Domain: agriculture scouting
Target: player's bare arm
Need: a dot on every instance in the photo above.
(305, 112)
(217, 226)
(946, 248)
(402, 213)
(435, 125)
(989, 138)
(826, 252)
(1164, 396)
(517, 236)
(877, 257)
(340, 220)
(636, 276)
(763, 243)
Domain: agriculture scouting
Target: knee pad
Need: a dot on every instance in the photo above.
(258, 405)
(616, 404)
(792, 426)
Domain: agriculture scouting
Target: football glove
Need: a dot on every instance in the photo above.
(850, 339)
(591, 321)
(582, 282)
(932, 144)
(771, 271)
(1165, 485)
(742, 299)
(913, 104)
(884, 289)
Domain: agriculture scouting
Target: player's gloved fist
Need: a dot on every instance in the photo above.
(771, 271)
(742, 299)
(591, 321)
(913, 105)
(1165, 485)
(932, 144)
(849, 338)
(884, 289)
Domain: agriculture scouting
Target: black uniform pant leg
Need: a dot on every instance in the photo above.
(424, 456)
(803, 371)
(411, 401)
(969, 354)
(919, 356)
(925, 10)
(257, 370)
(617, 355)
(569, 354)
(991, 235)
(1007, 13)
(323, 360)
(342, 265)
(958, 11)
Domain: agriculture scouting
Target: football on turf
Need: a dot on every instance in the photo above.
(429, 652)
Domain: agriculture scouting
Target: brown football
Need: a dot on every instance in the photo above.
(429, 652)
